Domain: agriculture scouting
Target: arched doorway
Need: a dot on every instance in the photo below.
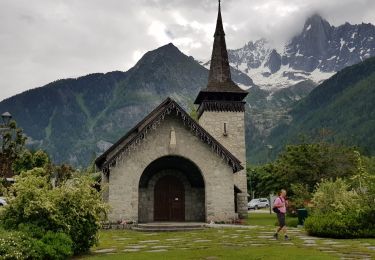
(171, 188)
(169, 199)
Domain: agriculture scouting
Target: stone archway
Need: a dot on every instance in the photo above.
(171, 188)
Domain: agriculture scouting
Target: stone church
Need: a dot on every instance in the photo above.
(170, 167)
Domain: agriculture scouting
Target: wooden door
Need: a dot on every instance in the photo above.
(169, 200)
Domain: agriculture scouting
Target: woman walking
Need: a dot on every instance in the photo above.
(279, 207)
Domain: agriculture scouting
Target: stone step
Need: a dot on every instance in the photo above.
(168, 227)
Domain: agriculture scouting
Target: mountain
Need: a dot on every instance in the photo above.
(316, 53)
(77, 119)
(341, 110)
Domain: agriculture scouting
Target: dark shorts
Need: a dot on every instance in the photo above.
(281, 219)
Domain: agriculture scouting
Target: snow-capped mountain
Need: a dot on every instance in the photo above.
(318, 52)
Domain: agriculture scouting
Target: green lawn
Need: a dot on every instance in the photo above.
(255, 242)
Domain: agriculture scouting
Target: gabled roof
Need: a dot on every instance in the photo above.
(124, 146)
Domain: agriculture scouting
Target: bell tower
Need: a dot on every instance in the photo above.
(221, 111)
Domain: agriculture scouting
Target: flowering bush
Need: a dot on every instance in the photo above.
(74, 208)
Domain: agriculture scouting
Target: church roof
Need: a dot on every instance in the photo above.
(129, 141)
(219, 79)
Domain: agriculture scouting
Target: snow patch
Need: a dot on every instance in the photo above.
(342, 42)
(352, 49)
(308, 28)
(332, 58)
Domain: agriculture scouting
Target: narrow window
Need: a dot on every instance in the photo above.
(225, 133)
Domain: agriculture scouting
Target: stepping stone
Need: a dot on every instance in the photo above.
(105, 250)
(330, 242)
(241, 230)
(130, 250)
(157, 250)
(329, 251)
(263, 236)
(287, 243)
(371, 247)
(257, 244)
(309, 242)
(149, 241)
(173, 239)
(201, 241)
(159, 247)
(323, 248)
(136, 247)
(339, 246)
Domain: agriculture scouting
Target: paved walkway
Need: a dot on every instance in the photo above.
(240, 236)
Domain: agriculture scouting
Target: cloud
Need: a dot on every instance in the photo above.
(42, 40)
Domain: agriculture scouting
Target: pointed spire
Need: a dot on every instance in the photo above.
(219, 69)
(220, 85)
(219, 24)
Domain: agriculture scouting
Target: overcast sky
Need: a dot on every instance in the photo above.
(45, 40)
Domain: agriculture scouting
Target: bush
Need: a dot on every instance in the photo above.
(338, 226)
(74, 208)
(17, 245)
(341, 212)
(57, 246)
(291, 222)
(335, 196)
(20, 245)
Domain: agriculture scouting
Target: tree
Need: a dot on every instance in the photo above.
(28, 160)
(305, 164)
(13, 143)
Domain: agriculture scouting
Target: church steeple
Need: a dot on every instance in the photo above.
(219, 69)
(220, 85)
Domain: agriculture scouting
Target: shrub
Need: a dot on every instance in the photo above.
(20, 245)
(57, 246)
(291, 222)
(340, 212)
(74, 208)
(338, 226)
(17, 245)
(335, 196)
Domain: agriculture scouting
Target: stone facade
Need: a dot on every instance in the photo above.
(128, 202)
(229, 129)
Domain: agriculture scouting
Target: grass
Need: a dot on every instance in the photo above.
(261, 219)
(224, 243)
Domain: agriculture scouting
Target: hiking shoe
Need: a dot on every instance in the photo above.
(275, 236)
(287, 238)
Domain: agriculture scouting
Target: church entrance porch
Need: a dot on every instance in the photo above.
(171, 188)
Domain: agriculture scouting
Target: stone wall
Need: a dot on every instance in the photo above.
(123, 194)
(233, 140)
